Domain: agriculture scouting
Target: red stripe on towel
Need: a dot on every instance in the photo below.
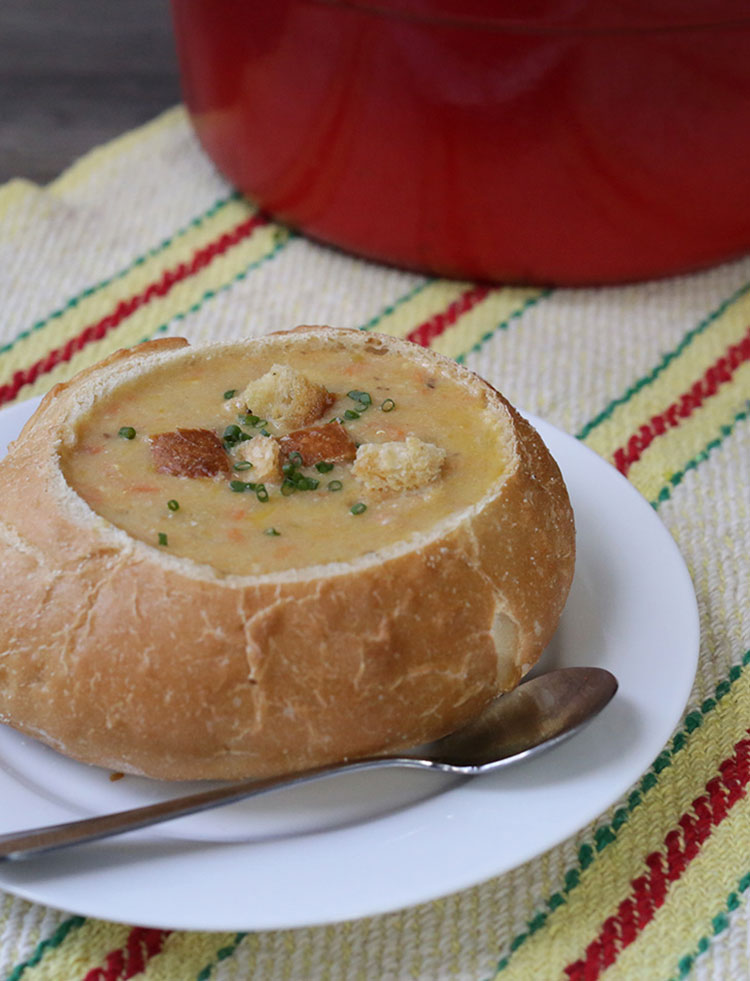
(130, 959)
(426, 332)
(720, 372)
(126, 308)
(681, 845)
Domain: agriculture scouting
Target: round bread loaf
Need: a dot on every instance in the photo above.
(146, 652)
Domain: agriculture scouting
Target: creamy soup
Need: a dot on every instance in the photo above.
(323, 513)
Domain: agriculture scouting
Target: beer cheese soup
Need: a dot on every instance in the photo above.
(280, 459)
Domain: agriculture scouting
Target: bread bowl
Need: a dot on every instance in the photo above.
(185, 625)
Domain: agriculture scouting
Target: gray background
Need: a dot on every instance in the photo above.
(74, 73)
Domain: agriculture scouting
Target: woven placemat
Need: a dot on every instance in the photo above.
(142, 238)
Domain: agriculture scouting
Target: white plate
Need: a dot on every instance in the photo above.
(355, 846)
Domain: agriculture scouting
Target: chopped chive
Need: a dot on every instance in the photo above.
(363, 398)
(230, 393)
(238, 486)
(127, 432)
(334, 485)
(264, 432)
(288, 487)
(298, 480)
(323, 467)
(358, 508)
(248, 419)
(388, 406)
(295, 459)
(260, 422)
(163, 538)
(242, 465)
(173, 505)
(233, 435)
(351, 414)
(261, 493)
(272, 532)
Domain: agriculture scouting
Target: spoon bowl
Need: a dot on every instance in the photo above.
(535, 716)
(532, 718)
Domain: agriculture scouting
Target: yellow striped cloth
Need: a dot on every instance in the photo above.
(142, 238)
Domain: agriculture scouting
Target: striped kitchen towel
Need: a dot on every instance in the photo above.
(142, 238)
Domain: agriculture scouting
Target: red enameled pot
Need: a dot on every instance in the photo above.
(578, 142)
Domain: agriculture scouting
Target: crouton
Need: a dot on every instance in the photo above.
(398, 466)
(286, 397)
(189, 453)
(330, 442)
(264, 453)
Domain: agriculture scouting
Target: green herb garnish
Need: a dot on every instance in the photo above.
(288, 487)
(261, 493)
(334, 485)
(173, 505)
(323, 467)
(351, 414)
(238, 486)
(358, 508)
(295, 459)
(163, 538)
(364, 398)
(233, 435)
(242, 465)
(388, 406)
(230, 393)
(127, 432)
(272, 532)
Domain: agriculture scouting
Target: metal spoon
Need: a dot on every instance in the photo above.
(531, 718)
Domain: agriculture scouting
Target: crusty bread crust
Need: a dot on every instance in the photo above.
(120, 655)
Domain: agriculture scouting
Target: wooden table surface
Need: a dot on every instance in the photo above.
(75, 73)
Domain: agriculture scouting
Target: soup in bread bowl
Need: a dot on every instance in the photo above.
(257, 557)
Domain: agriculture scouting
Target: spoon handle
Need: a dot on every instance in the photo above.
(19, 845)
(534, 716)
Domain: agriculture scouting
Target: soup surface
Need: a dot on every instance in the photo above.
(320, 513)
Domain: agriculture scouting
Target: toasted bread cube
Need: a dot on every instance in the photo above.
(398, 466)
(189, 453)
(330, 442)
(286, 397)
(264, 453)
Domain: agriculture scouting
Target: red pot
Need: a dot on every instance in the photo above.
(575, 142)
